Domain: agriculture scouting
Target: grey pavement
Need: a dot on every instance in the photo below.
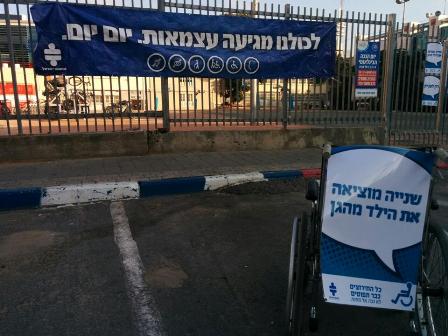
(213, 264)
(61, 274)
(37, 174)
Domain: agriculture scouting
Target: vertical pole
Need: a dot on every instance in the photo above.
(386, 99)
(253, 82)
(402, 22)
(13, 68)
(164, 87)
(443, 74)
(285, 82)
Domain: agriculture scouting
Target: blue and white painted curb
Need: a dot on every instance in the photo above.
(22, 198)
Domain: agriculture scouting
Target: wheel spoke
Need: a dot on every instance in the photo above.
(434, 274)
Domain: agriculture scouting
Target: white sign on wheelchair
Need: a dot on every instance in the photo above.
(373, 219)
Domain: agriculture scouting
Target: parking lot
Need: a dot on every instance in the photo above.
(211, 264)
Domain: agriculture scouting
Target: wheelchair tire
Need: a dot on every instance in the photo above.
(296, 281)
(313, 324)
(432, 301)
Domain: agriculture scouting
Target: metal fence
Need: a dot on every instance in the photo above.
(409, 121)
(35, 104)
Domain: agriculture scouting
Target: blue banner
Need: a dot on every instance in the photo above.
(367, 65)
(101, 40)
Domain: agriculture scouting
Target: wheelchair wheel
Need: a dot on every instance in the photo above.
(296, 278)
(432, 301)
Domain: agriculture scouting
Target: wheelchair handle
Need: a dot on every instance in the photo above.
(326, 151)
(441, 154)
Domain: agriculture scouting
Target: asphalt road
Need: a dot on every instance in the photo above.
(203, 264)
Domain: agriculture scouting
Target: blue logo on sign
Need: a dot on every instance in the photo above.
(333, 289)
(196, 64)
(234, 65)
(404, 296)
(156, 62)
(177, 63)
(215, 64)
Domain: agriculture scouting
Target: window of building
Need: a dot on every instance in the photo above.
(186, 80)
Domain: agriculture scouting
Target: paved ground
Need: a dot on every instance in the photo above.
(153, 166)
(210, 264)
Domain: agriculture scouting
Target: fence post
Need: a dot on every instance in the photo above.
(164, 86)
(443, 73)
(386, 99)
(285, 81)
(13, 67)
(253, 82)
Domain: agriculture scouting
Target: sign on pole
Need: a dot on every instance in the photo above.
(103, 40)
(367, 65)
(433, 65)
(373, 221)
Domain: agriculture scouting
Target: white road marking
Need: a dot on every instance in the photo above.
(443, 203)
(146, 315)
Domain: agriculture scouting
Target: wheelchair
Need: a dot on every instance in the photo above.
(428, 310)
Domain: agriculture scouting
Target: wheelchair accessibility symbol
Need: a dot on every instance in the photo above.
(404, 296)
(233, 65)
(215, 64)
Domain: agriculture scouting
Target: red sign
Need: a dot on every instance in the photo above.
(367, 78)
(22, 89)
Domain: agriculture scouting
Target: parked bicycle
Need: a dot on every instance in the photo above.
(121, 109)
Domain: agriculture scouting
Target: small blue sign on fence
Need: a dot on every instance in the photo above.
(433, 66)
(102, 40)
(367, 65)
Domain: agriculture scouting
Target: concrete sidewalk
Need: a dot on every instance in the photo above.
(133, 168)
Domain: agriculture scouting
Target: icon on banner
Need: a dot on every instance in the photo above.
(251, 65)
(333, 289)
(406, 294)
(52, 54)
(234, 65)
(177, 63)
(215, 64)
(156, 62)
(196, 64)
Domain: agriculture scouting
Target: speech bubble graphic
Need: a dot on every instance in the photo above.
(431, 86)
(434, 53)
(381, 170)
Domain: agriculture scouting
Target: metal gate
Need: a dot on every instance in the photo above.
(34, 104)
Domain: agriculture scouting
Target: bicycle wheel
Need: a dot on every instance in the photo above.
(297, 278)
(432, 306)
